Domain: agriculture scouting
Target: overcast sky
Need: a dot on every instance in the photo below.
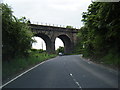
(58, 12)
(61, 12)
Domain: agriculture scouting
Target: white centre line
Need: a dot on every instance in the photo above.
(70, 74)
(79, 85)
(75, 81)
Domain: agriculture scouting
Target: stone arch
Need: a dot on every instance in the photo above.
(68, 36)
(48, 42)
(67, 43)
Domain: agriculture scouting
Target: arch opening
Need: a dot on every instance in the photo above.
(48, 43)
(67, 43)
(59, 45)
(52, 44)
(39, 44)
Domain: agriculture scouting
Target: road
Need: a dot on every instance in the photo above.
(67, 72)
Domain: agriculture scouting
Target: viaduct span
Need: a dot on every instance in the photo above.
(50, 33)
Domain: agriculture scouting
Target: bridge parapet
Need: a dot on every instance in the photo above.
(52, 28)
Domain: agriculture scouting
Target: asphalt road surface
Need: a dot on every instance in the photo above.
(67, 72)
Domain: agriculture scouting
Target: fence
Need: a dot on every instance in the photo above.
(55, 25)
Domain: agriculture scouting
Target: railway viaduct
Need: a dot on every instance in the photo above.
(50, 33)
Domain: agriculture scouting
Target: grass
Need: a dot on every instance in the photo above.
(111, 59)
(18, 65)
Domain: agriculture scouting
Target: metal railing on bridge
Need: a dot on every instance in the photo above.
(54, 25)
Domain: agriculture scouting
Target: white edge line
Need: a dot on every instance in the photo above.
(22, 74)
(89, 62)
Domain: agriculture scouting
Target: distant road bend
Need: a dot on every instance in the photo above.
(67, 72)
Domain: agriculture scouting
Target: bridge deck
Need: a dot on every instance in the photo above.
(52, 28)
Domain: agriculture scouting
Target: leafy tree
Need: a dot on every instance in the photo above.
(41, 50)
(60, 49)
(69, 26)
(101, 30)
(16, 35)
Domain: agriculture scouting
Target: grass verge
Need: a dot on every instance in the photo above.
(109, 60)
(19, 64)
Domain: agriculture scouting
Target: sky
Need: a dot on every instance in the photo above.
(57, 12)
(41, 44)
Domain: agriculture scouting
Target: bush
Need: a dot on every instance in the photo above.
(16, 35)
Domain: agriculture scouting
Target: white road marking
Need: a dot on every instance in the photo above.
(22, 74)
(70, 74)
(89, 62)
(78, 85)
(75, 81)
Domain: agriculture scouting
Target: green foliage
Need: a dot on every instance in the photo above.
(111, 59)
(60, 49)
(38, 50)
(41, 50)
(19, 64)
(16, 35)
(69, 26)
(34, 50)
(101, 31)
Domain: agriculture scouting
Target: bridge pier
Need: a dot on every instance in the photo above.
(50, 48)
(68, 49)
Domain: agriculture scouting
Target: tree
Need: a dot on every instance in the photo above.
(60, 49)
(69, 26)
(101, 30)
(16, 35)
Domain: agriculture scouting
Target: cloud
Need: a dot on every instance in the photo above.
(62, 12)
(68, 5)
